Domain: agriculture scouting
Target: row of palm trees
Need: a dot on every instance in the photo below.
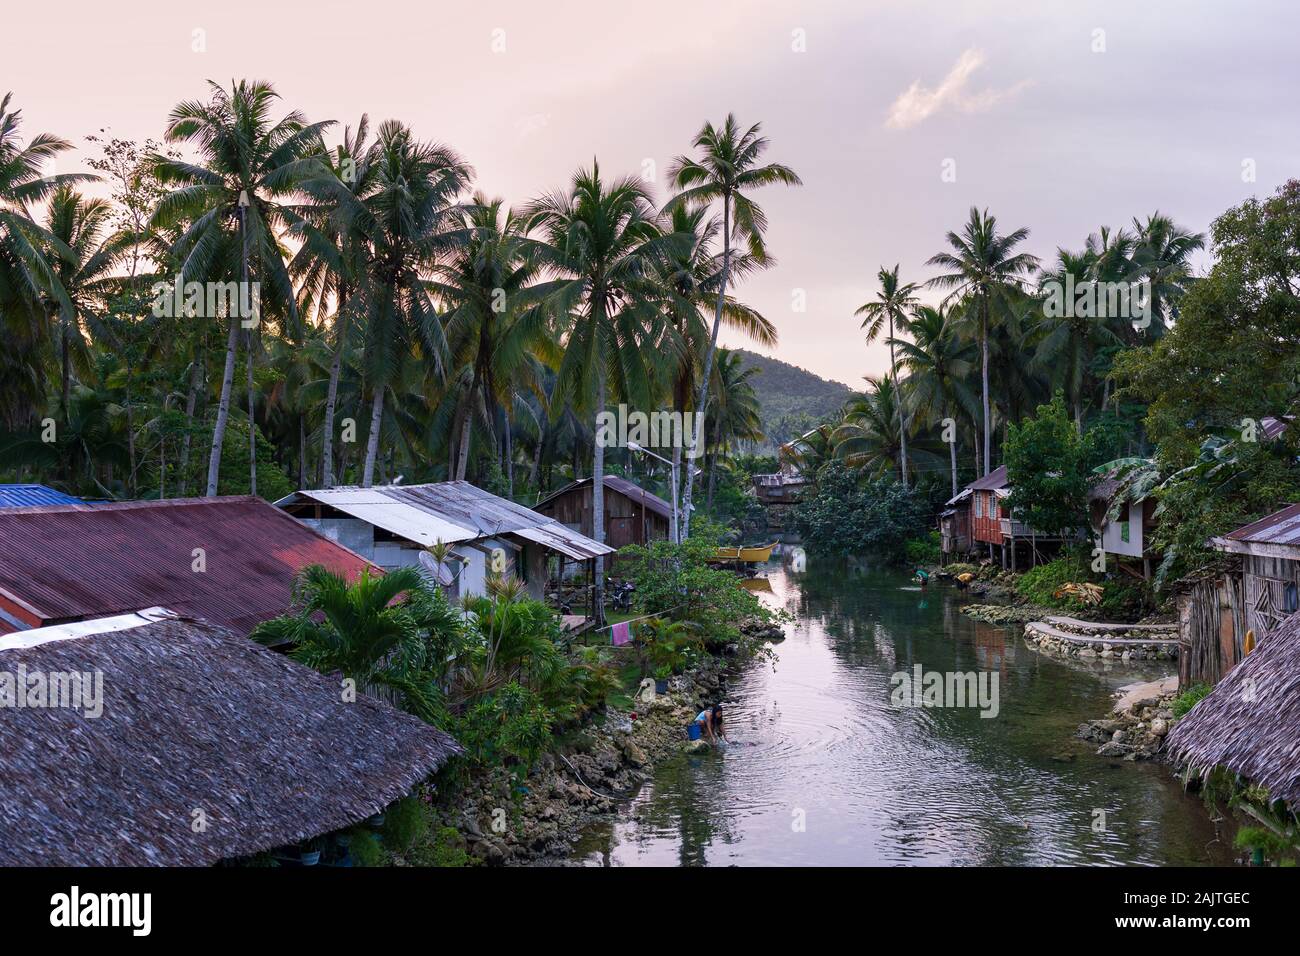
(459, 337)
(993, 318)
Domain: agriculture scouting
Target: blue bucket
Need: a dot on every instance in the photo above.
(692, 731)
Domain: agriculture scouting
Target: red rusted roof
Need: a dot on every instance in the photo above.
(1281, 527)
(69, 562)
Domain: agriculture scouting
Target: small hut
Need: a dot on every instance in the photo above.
(1250, 723)
(632, 514)
(191, 719)
(1270, 567)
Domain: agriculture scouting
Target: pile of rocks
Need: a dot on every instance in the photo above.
(1003, 613)
(1069, 637)
(1137, 727)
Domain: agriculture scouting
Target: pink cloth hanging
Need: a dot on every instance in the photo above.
(621, 634)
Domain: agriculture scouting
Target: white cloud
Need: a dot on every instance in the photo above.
(918, 103)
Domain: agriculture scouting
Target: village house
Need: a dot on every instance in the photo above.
(231, 561)
(394, 525)
(992, 526)
(186, 744)
(632, 514)
(779, 491)
(1257, 592)
(1128, 536)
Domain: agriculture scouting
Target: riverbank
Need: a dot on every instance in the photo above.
(502, 819)
(1138, 723)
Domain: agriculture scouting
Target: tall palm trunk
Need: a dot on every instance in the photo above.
(66, 361)
(252, 419)
(223, 408)
(191, 405)
(372, 440)
(598, 466)
(898, 398)
(984, 376)
(332, 396)
(952, 457)
(677, 470)
(702, 404)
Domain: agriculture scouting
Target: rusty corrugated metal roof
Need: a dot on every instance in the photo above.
(995, 479)
(70, 562)
(624, 487)
(1281, 527)
(450, 511)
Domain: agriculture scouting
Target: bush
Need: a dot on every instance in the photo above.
(508, 725)
(854, 515)
(366, 848)
(923, 550)
(1189, 698)
(1039, 584)
(405, 823)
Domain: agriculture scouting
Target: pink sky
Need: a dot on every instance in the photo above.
(866, 100)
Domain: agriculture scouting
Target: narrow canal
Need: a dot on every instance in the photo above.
(823, 770)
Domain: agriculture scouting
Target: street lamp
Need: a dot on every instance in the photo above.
(672, 465)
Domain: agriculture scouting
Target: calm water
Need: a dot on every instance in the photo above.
(816, 739)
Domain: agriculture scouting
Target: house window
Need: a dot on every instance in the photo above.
(979, 506)
(1289, 599)
(1123, 531)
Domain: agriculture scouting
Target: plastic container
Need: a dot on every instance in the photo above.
(692, 731)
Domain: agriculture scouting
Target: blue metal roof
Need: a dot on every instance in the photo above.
(22, 496)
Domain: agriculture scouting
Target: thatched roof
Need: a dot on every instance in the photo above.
(1250, 722)
(195, 718)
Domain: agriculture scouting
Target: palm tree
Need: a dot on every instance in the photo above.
(692, 274)
(1161, 255)
(493, 320)
(725, 170)
(984, 264)
(1069, 342)
(938, 361)
(29, 256)
(378, 631)
(85, 275)
(867, 436)
(891, 305)
(229, 205)
(332, 259)
(736, 416)
(410, 220)
(602, 243)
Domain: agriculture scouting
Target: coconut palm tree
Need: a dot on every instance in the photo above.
(691, 276)
(410, 219)
(939, 360)
(1068, 343)
(29, 256)
(230, 206)
(725, 171)
(892, 305)
(1162, 256)
(602, 243)
(332, 260)
(867, 436)
(736, 413)
(983, 263)
(493, 321)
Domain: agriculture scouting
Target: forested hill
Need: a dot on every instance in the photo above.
(793, 399)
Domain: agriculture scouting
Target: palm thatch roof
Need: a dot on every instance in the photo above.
(1250, 722)
(198, 723)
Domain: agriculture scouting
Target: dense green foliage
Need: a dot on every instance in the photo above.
(791, 399)
(852, 514)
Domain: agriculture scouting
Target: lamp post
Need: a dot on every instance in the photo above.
(673, 469)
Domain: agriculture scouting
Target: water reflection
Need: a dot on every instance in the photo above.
(825, 771)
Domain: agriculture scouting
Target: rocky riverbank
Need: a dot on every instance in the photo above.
(508, 821)
(1136, 728)
(1005, 614)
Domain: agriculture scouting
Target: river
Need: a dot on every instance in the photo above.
(824, 770)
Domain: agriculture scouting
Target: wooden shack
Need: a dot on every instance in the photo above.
(632, 514)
